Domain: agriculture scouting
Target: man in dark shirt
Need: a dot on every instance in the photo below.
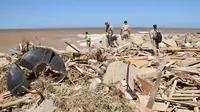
(109, 33)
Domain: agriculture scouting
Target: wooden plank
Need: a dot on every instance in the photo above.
(182, 98)
(188, 91)
(157, 84)
(187, 69)
(185, 95)
(183, 49)
(193, 63)
(158, 106)
(180, 102)
(72, 47)
(172, 92)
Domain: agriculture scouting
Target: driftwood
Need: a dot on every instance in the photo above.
(5, 95)
(35, 92)
(16, 102)
(85, 72)
(171, 81)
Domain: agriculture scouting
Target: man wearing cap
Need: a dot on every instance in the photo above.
(109, 33)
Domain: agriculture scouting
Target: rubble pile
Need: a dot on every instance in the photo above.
(125, 78)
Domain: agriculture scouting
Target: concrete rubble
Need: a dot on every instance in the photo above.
(124, 78)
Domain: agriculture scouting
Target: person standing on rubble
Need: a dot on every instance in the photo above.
(156, 38)
(88, 39)
(125, 31)
(109, 33)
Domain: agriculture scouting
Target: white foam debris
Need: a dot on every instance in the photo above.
(143, 32)
(94, 36)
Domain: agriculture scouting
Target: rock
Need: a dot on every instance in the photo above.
(94, 83)
(137, 38)
(104, 42)
(116, 72)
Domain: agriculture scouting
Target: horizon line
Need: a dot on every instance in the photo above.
(59, 28)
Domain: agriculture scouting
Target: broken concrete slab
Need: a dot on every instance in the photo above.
(140, 63)
(104, 41)
(144, 72)
(162, 45)
(45, 106)
(117, 72)
(137, 38)
(170, 42)
(147, 44)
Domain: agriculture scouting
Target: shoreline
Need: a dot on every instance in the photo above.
(56, 37)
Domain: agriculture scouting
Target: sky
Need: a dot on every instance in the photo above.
(22, 14)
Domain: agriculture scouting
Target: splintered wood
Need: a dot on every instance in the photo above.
(100, 80)
(159, 74)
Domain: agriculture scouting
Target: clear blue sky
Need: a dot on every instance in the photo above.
(93, 13)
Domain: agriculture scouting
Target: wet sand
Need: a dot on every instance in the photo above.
(56, 37)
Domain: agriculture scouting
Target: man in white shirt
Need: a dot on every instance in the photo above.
(125, 31)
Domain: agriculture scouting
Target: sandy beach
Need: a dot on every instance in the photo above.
(56, 37)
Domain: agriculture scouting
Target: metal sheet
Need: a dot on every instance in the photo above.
(16, 79)
(31, 58)
(34, 56)
(58, 64)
